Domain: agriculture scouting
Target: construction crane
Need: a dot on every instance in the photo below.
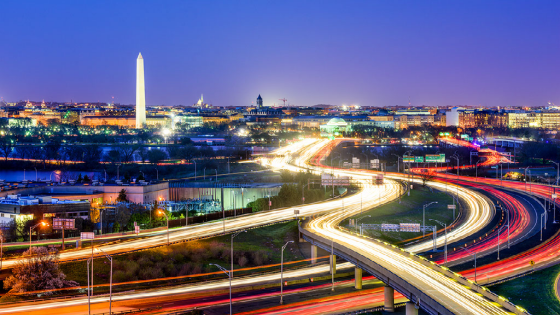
(283, 100)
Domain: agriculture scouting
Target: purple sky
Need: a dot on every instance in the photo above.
(371, 53)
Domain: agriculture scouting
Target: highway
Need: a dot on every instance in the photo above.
(370, 196)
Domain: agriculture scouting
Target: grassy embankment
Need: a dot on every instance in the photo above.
(534, 292)
(254, 248)
(409, 210)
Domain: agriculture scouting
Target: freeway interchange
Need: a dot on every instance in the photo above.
(306, 155)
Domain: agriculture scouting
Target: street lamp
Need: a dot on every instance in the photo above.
(527, 169)
(282, 271)
(110, 279)
(358, 219)
(499, 231)
(398, 165)
(445, 229)
(424, 216)
(455, 156)
(557, 172)
(228, 273)
(167, 219)
(542, 215)
(194, 161)
(42, 224)
(232, 237)
(89, 289)
(472, 253)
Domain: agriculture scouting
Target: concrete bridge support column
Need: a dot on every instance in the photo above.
(333, 264)
(313, 254)
(411, 309)
(358, 278)
(389, 299)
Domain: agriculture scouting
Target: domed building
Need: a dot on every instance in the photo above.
(334, 128)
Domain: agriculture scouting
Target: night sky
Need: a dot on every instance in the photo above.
(370, 53)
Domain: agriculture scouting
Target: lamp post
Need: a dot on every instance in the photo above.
(398, 164)
(542, 215)
(557, 172)
(499, 231)
(216, 175)
(36, 176)
(367, 160)
(89, 291)
(232, 237)
(526, 169)
(282, 272)
(445, 229)
(204, 178)
(110, 279)
(100, 219)
(358, 219)
(228, 273)
(167, 219)
(455, 156)
(472, 253)
(31, 231)
(194, 161)
(424, 216)
(118, 166)
(157, 174)
(332, 264)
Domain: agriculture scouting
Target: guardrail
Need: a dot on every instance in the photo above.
(412, 293)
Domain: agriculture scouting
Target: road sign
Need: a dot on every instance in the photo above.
(435, 158)
(87, 236)
(67, 224)
(390, 227)
(408, 158)
(410, 227)
(296, 212)
(136, 229)
(451, 207)
(532, 263)
(419, 159)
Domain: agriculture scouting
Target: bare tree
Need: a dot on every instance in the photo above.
(127, 152)
(6, 147)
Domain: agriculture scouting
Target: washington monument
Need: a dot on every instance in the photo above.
(140, 93)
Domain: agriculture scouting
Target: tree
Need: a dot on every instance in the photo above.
(127, 152)
(122, 215)
(122, 196)
(143, 154)
(6, 147)
(426, 177)
(156, 155)
(38, 271)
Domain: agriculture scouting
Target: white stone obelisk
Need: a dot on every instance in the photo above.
(140, 93)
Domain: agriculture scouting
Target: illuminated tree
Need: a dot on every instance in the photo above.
(38, 271)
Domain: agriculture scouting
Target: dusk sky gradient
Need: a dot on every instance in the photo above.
(371, 53)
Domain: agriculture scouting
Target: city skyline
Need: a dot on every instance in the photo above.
(368, 54)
